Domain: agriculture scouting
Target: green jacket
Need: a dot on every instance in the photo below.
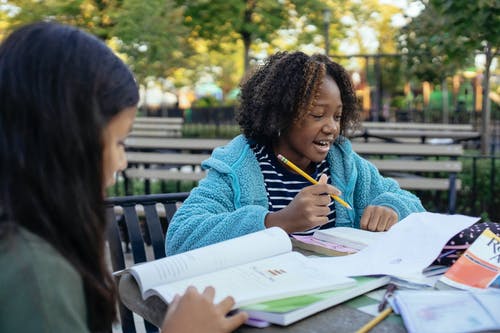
(40, 291)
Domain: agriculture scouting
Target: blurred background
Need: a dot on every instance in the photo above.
(428, 61)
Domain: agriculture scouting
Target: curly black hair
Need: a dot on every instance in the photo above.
(281, 91)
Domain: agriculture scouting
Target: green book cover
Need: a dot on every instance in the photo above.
(286, 311)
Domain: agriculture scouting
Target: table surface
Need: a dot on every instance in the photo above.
(341, 318)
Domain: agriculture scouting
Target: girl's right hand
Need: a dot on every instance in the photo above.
(195, 312)
(307, 210)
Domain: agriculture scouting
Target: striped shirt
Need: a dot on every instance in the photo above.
(282, 185)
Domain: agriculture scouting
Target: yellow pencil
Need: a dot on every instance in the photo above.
(309, 178)
(372, 323)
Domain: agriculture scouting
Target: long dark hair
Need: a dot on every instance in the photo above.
(59, 87)
(280, 92)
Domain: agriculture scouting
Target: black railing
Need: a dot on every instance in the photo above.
(481, 194)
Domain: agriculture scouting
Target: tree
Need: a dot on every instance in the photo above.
(152, 36)
(90, 15)
(219, 21)
(149, 33)
(449, 33)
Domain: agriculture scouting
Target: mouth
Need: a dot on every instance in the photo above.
(323, 145)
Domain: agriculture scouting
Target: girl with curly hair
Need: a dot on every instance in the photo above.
(299, 106)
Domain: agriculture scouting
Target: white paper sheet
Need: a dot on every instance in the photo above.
(407, 248)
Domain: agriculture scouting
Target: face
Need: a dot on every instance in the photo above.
(309, 138)
(114, 158)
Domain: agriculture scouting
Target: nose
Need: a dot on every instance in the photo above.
(330, 125)
(122, 165)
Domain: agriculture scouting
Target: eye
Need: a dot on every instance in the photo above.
(338, 117)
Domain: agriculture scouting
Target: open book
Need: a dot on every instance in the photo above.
(289, 310)
(310, 243)
(253, 268)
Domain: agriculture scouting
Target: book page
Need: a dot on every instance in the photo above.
(289, 274)
(408, 247)
(244, 249)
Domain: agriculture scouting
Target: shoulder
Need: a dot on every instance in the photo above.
(231, 155)
(233, 148)
(41, 290)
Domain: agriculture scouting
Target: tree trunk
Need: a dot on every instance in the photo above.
(446, 106)
(246, 42)
(486, 107)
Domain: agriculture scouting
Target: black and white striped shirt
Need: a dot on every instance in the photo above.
(282, 185)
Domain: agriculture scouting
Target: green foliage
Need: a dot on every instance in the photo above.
(210, 131)
(156, 186)
(445, 36)
(487, 188)
(206, 101)
(398, 102)
(222, 21)
(93, 16)
(150, 33)
(152, 36)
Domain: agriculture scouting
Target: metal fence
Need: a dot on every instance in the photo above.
(481, 194)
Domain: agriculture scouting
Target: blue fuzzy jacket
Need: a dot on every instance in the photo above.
(231, 200)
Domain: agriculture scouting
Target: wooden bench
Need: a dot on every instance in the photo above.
(174, 145)
(161, 166)
(422, 135)
(416, 126)
(157, 127)
(139, 224)
(413, 166)
(159, 120)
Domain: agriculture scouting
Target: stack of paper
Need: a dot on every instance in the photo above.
(354, 238)
(448, 311)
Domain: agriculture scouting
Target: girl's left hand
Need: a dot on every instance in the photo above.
(378, 218)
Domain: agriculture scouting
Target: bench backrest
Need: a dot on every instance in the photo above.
(157, 127)
(413, 166)
(417, 126)
(138, 223)
(158, 120)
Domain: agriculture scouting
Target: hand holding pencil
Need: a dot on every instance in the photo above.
(309, 178)
(309, 208)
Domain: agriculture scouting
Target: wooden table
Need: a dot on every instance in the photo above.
(338, 319)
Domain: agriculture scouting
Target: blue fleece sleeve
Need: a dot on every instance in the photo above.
(209, 216)
(374, 189)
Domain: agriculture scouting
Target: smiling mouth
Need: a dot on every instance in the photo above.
(322, 143)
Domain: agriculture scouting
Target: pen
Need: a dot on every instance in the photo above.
(309, 178)
(371, 324)
(391, 287)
